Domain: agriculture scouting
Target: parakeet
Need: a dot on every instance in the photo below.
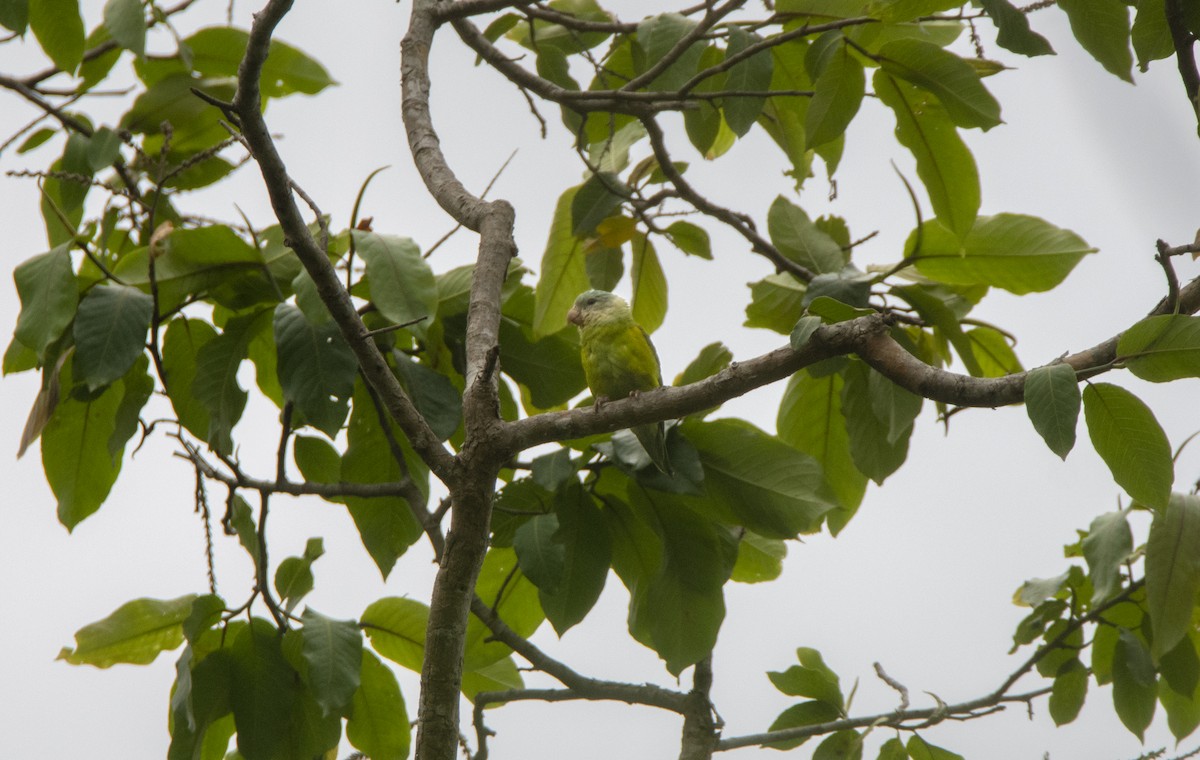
(619, 360)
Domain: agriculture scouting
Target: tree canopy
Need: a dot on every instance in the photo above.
(446, 404)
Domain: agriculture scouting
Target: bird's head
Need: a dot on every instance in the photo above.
(596, 306)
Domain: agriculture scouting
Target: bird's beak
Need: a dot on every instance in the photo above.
(574, 317)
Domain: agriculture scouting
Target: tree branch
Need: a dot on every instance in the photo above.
(700, 731)
(642, 694)
(1185, 55)
(247, 104)
(929, 716)
(865, 336)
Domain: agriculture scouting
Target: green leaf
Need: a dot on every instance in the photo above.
(1162, 348)
(265, 695)
(59, 30)
(649, 302)
(1130, 441)
(549, 368)
(941, 306)
(543, 34)
(92, 72)
(180, 347)
(750, 75)
(1102, 28)
(690, 238)
(104, 148)
(126, 24)
(205, 613)
(841, 745)
(896, 407)
(136, 388)
(316, 368)
(385, 523)
(135, 633)
(1134, 683)
(605, 267)
(874, 452)
(993, 352)
(564, 275)
(46, 286)
(14, 15)
(378, 723)
(812, 678)
(839, 93)
(110, 332)
(799, 715)
(205, 260)
(712, 359)
(811, 419)
(759, 559)
(75, 453)
(1014, 32)
(1108, 543)
(1151, 35)
(800, 240)
(1021, 254)
(586, 547)
(919, 749)
(195, 124)
(1068, 693)
(294, 578)
(242, 522)
(944, 163)
(951, 79)
(217, 52)
(893, 749)
(37, 137)
(542, 558)
(681, 606)
(759, 481)
(396, 630)
(1179, 687)
(1052, 400)
(334, 653)
(776, 303)
(403, 287)
(1173, 571)
(215, 385)
(657, 36)
(596, 200)
(202, 724)
(434, 395)
(318, 460)
(1180, 666)
(612, 153)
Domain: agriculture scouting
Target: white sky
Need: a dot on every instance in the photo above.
(921, 580)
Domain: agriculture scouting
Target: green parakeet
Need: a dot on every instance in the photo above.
(619, 360)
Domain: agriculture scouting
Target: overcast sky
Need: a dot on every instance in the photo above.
(921, 580)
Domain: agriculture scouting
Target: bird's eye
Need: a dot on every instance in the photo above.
(591, 302)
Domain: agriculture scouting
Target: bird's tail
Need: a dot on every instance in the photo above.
(654, 440)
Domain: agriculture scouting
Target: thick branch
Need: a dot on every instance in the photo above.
(866, 336)
(329, 287)
(471, 492)
(700, 731)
